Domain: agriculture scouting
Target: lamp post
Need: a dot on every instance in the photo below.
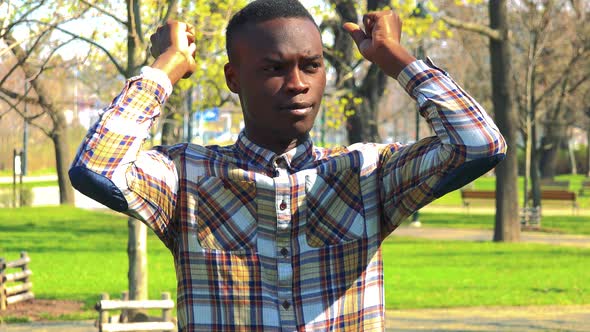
(419, 12)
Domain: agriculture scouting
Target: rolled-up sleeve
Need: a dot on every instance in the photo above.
(466, 145)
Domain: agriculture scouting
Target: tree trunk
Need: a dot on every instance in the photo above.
(534, 161)
(550, 145)
(371, 92)
(535, 176)
(58, 133)
(62, 161)
(136, 243)
(572, 155)
(138, 273)
(507, 226)
(588, 151)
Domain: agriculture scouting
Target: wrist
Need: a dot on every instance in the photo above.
(173, 63)
(394, 59)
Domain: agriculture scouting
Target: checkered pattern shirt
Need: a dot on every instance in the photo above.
(291, 242)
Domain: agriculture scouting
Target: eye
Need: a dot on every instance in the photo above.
(313, 66)
(273, 68)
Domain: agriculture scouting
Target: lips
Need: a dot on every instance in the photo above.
(297, 108)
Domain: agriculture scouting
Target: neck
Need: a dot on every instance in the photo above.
(275, 143)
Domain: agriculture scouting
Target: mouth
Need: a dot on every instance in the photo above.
(298, 109)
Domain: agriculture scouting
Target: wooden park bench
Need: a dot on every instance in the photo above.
(585, 189)
(469, 196)
(21, 290)
(559, 196)
(117, 323)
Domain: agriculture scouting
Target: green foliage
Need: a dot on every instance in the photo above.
(339, 108)
(209, 19)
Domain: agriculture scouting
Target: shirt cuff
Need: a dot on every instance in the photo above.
(411, 70)
(418, 73)
(158, 76)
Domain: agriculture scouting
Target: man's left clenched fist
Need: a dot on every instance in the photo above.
(380, 42)
(173, 46)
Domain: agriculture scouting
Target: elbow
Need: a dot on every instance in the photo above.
(488, 147)
(501, 145)
(479, 161)
(98, 187)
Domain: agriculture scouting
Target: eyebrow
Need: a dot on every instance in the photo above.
(278, 59)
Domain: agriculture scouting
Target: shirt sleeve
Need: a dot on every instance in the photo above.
(111, 167)
(467, 145)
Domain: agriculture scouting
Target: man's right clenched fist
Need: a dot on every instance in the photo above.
(173, 46)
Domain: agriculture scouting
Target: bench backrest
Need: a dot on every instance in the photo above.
(558, 195)
(478, 194)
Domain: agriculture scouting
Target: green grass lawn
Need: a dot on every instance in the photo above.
(78, 254)
(431, 274)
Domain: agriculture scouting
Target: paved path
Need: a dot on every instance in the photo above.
(41, 178)
(497, 319)
(508, 319)
(582, 241)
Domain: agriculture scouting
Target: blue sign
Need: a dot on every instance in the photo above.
(209, 115)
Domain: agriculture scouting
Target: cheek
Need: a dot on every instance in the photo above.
(271, 86)
(261, 92)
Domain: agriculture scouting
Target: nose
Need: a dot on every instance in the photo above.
(296, 81)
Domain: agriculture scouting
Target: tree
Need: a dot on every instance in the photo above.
(550, 46)
(359, 86)
(563, 75)
(34, 62)
(507, 227)
(210, 18)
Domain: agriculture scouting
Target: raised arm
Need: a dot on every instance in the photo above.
(110, 165)
(467, 143)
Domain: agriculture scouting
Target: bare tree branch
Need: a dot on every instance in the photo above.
(120, 69)
(104, 11)
(473, 27)
(18, 42)
(44, 64)
(566, 72)
(29, 119)
(20, 97)
(7, 37)
(171, 8)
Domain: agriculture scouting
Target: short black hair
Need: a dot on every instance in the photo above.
(261, 11)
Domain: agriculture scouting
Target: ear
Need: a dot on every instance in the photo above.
(231, 77)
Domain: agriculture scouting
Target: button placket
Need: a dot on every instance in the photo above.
(283, 244)
(286, 304)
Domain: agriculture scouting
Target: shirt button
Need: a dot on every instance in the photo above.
(285, 252)
(283, 205)
(286, 305)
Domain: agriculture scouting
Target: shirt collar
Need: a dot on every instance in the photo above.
(295, 158)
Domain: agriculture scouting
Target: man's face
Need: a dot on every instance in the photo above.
(278, 71)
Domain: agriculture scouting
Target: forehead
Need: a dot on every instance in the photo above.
(281, 36)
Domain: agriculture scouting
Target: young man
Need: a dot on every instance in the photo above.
(273, 233)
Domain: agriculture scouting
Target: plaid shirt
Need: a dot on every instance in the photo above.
(266, 242)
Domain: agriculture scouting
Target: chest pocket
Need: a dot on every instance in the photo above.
(335, 212)
(226, 214)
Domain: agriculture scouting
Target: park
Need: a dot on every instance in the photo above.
(508, 251)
